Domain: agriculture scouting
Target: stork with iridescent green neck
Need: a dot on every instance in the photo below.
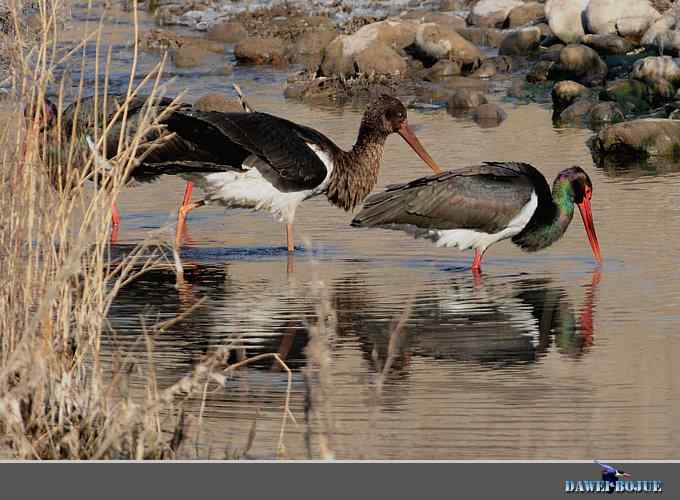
(478, 206)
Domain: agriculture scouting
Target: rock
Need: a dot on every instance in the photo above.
(489, 115)
(662, 34)
(520, 42)
(218, 102)
(654, 68)
(381, 59)
(578, 111)
(564, 94)
(492, 13)
(189, 56)
(227, 32)
(580, 63)
(632, 27)
(260, 51)
(525, 14)
(396, 34)
(309, 47)
(551, 53)
(485, 37)
(565, 18)
(443, 69)
(630, 95)
(465, 99)
(341, 54)
(434, 42)
(607, 44)
(605, 112)
(540, 72)
(602, 16)
(640, 138)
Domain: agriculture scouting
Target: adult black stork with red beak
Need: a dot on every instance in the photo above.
(478, 206)
(274, 164)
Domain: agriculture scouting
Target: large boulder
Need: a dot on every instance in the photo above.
(434, 42)
(396, 34)
(580, 63)
(348, 53)
(520, 42)
(640, 138)
(603, 16)
(663, 33)
(260, 51)
(656, 68)
(525, 14)
(492, 13)
(381, 59)
(565, 18)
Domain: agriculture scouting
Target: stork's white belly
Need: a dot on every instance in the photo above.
(469, 238)
(250, 190)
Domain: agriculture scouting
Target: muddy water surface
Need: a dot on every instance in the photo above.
(545, 357)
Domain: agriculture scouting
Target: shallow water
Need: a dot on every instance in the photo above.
(544, 357)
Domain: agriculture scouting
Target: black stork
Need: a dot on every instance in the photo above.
(478, 206)
(274, 164)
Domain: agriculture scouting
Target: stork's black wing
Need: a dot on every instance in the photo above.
(281, 146)
(483, 198)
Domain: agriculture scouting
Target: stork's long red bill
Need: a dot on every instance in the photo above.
(587, 216)
(411, 139)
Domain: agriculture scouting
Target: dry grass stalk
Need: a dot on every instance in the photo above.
(58, 278)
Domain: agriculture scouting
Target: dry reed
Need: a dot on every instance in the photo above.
(58, 278)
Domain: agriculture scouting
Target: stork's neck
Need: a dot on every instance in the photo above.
(551, 218)
(355, 172)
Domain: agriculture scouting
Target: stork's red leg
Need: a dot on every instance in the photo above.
(115, 223)
(187, 194)
(477, 263)
(115, 215)
(290, 240)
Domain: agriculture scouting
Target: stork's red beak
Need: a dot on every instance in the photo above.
(587, 216)
(408, 135)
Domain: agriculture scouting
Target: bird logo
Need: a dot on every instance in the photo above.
(610, 475)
